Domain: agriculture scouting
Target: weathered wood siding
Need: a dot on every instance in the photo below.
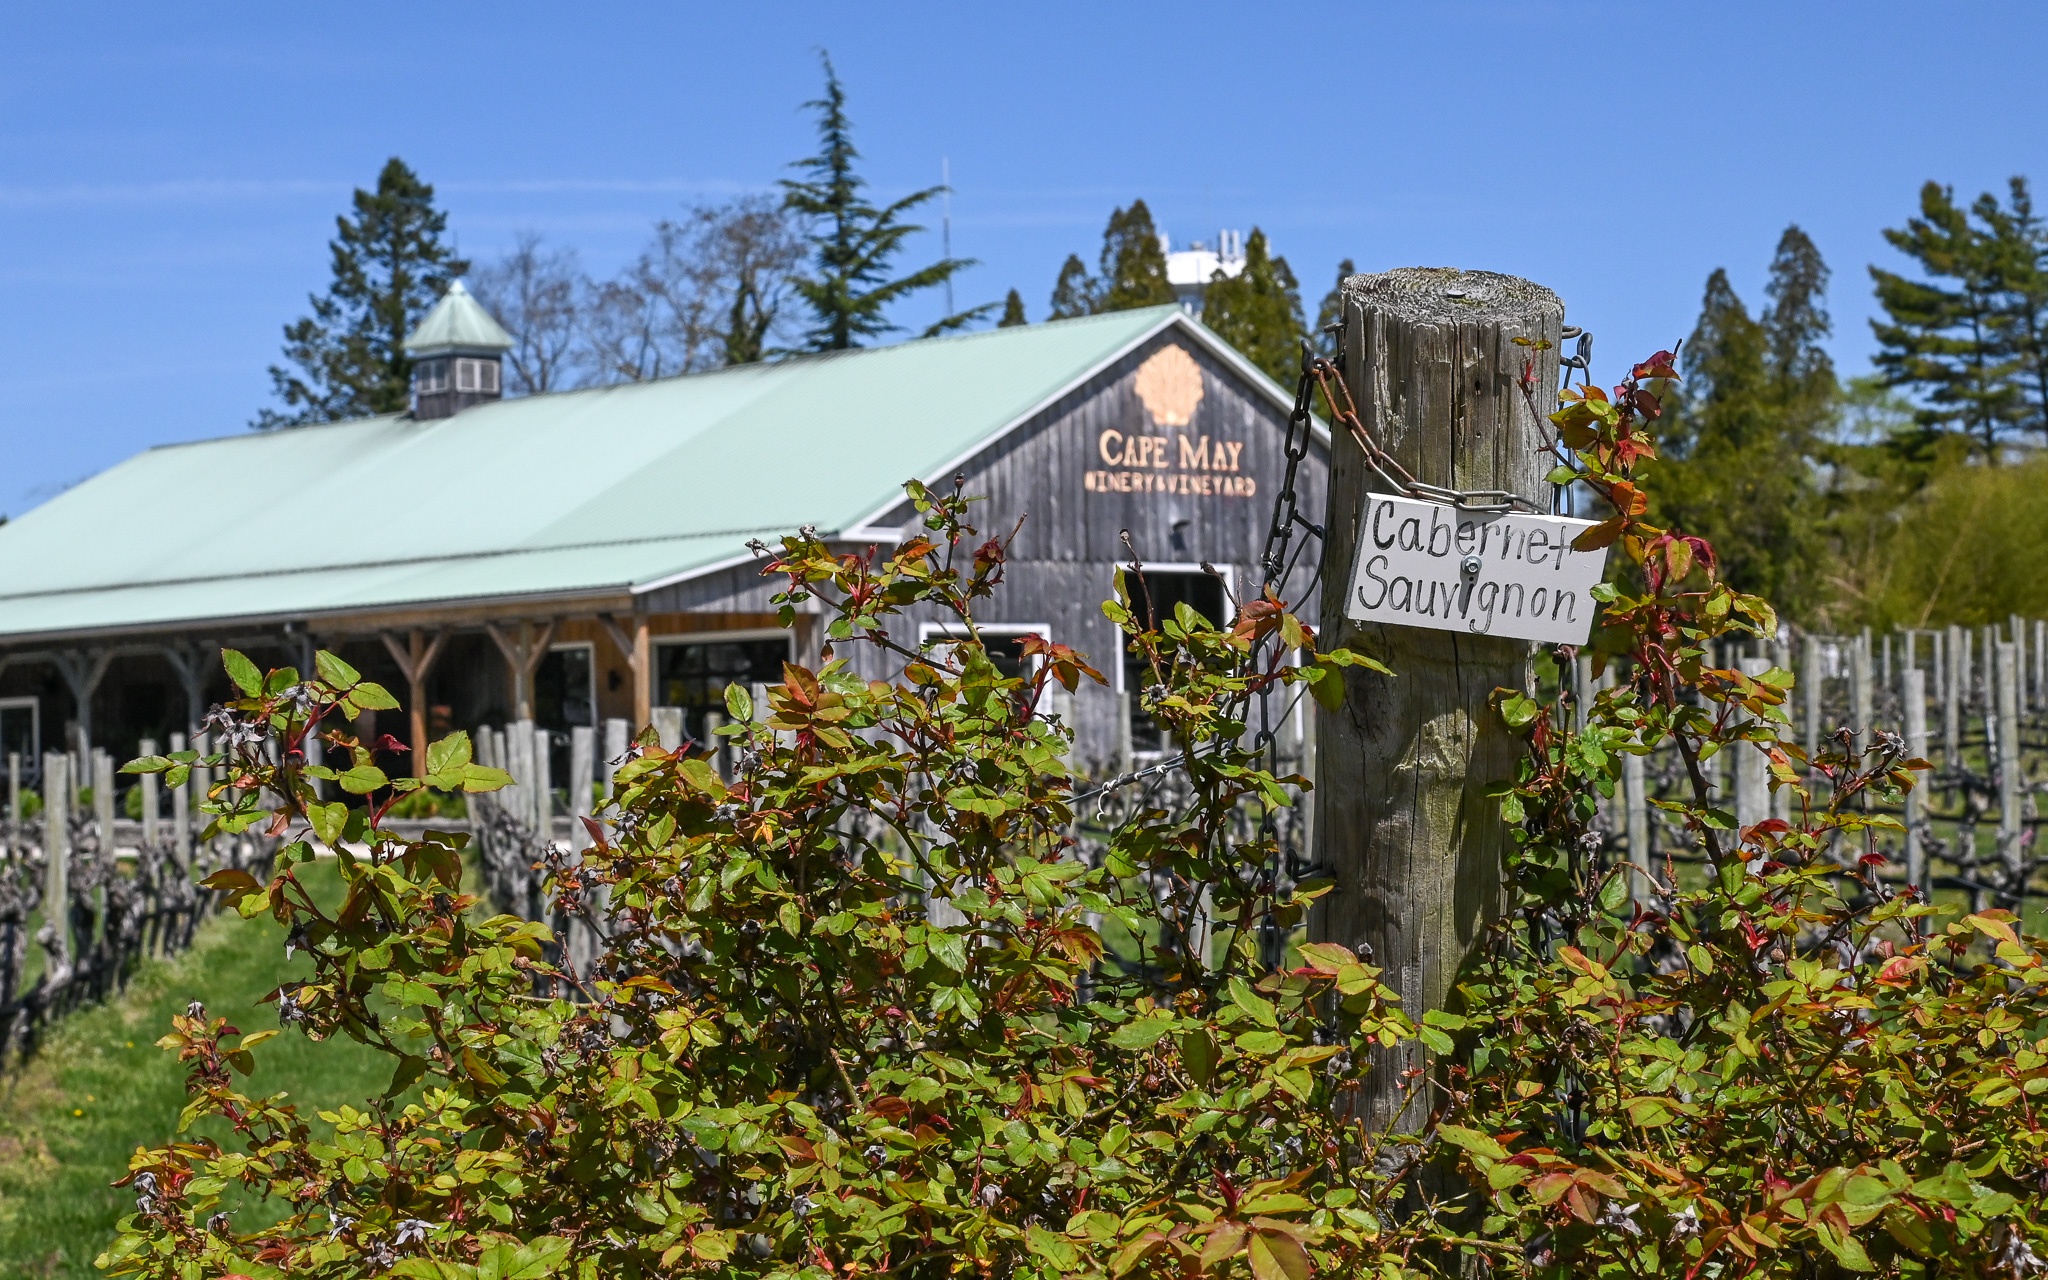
(1169, 443)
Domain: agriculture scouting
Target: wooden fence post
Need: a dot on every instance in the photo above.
(1957, 675)
(147, 782)
(1913, 694)
(1860, 689)
(1752, 767)
(1635, 798)
(57, 853)
(14, 787)
(1811, 678)
(543, 784)
(103, 798)
(668, 726)
(1403, 818)
(618, 737)
(181, 816)
(2006, 666)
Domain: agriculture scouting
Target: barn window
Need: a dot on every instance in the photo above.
(693, 674)
(1003, 642)
(21, 733)
(465, 374)
(1153, 597)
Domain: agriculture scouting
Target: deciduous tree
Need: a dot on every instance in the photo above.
(536, 292)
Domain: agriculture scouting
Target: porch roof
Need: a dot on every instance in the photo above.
(599, 492)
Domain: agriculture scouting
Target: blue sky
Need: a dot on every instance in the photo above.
(169, 175)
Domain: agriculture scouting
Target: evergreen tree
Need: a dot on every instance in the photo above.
(1332, 309)
(1013, 311)
(2018, 243)
(1258, 311)
(1803, 384)
(852, 242)
(1740, 433)
(1944, 340)
(1073, 295)
(347, 359)
(1133, 264)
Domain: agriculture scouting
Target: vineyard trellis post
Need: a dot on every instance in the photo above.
(1404, 823)
(1913, 698)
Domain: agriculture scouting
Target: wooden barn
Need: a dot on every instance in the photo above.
(581, 556)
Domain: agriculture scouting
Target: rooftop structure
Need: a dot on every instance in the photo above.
(1190, 270)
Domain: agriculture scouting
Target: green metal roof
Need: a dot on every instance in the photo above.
(458, 322)
(583, 492)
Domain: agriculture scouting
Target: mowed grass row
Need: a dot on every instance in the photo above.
(100, 1088)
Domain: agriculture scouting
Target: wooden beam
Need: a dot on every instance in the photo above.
(523, 651)
(416, 658)
(638, 647)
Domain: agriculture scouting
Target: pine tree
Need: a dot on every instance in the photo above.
(1133, 264)
(1013, 311)
(1942, 340)
(2018, 243)
(347, 359)
(853, 242)
(1803, 383)
(1258, 310)
(1073, 295)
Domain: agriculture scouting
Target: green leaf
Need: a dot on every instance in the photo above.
(1649, 1113)
(476, 777)
(371, 696)
(1199, 1054)
(363, 779)
(1519, 710)
(451, 752)
(1142, 1033)
(1614, 893)
(334, 671)
(739, 704)
(242, 671)
(949, 949)
(329, 821)
(409, 1070)
(1479, 1144)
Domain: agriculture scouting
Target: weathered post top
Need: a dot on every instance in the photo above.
(1403, 820)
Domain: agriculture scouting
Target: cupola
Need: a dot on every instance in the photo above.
(458, 354)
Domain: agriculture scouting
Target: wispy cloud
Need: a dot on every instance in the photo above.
(228, 190)
(180, 190)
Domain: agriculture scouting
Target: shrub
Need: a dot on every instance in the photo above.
(859, 1011)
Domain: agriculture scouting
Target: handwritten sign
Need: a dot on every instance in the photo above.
(1424, 564)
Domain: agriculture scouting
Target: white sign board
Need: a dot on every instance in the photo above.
(1424, 564)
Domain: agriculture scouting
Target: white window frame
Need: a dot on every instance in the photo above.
(487, 375)
(33, 761)
(465, 374)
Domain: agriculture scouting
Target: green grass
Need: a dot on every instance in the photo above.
(100, 1088)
